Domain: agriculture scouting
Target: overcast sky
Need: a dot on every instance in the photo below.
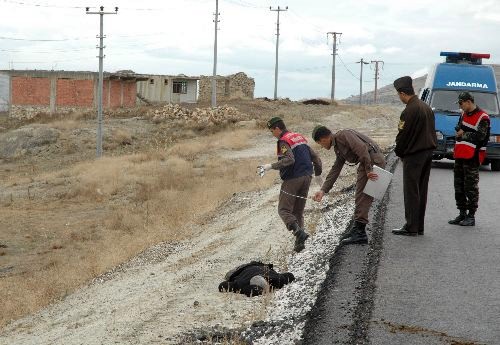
(177, 37)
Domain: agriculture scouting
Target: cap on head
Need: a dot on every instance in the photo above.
(403, 84)
(465, 96)
(273, 121)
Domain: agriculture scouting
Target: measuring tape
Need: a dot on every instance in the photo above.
(297, 196)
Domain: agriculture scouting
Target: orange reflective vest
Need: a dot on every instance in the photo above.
(469, 123)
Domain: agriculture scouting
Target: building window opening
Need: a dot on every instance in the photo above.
(179, 87)
(151, 81)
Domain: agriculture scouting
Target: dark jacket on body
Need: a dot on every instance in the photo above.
(254, 278)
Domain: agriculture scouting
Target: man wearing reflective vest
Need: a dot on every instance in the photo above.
(295, 163)
(470, 151)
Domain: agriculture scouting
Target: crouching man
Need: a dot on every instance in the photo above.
(356, 148)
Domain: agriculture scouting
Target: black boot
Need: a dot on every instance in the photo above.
(357, 236)
(469, 220)
(300, 237)
(459, 218)
(348, 232)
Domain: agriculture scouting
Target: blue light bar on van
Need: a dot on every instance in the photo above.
(457, 54)
(458, 57)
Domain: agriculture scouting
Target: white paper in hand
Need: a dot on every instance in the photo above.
(377, 188)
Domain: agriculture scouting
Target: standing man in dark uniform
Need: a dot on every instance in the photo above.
(473, 132)
(415, 142)
(295, 163)
(352, 147)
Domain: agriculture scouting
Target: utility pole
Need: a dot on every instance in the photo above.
(214, 76)
(334, 34)
(376, 62)
(277, 44)
(361, 62)
(101, 47)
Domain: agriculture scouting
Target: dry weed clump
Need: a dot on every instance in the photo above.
(123, 220)
(117, 137)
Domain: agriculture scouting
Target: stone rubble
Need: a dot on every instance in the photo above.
(199, 116)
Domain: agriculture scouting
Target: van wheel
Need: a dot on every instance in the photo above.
(495, 165)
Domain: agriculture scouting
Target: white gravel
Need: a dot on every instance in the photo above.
(287, 313)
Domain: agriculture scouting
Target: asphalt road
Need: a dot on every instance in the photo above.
(441, 288)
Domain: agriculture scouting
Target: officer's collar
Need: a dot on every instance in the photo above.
(283, 133)
(470, 113)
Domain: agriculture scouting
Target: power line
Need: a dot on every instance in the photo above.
(345, 66)
(314, 26)
(44, 52)
(101, 36)
(23, 3)
(214, 77)
(361, 62)
(376, 62)
(242, 3)
(43, 40)
(334, 53)
(278, 10)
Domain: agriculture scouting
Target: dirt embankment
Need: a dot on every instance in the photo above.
(190, 191)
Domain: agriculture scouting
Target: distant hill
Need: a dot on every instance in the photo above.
(387, 94)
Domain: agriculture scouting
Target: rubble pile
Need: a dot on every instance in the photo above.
(199, 116)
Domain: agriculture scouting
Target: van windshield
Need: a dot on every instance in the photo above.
(444, 100)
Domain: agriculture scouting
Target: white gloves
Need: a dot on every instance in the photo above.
(318, 180)
(261, 169)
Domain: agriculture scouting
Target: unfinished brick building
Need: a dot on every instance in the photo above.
(32, 91)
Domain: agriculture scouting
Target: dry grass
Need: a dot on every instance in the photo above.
(126, 203)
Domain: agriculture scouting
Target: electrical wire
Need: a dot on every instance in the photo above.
(45, 52)
(242, 3)
(23, 3)
(43, 40)
(345, 66)
(314, 26)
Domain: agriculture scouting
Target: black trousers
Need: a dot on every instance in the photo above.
(466, 182)
(416, 172)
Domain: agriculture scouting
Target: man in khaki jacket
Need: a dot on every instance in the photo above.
(352, 147)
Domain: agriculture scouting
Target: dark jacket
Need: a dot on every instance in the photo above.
(417, 130)
(242, 279)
